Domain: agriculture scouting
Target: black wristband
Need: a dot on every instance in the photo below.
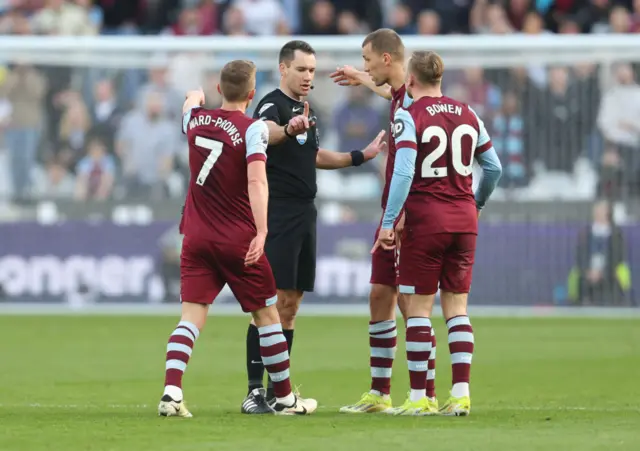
(357, 157)
(286, 126)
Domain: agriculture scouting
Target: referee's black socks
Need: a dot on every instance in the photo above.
(255, 368)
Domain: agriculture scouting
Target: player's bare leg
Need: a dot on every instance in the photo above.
(275, 357)
(382, 345)
(179, 351)
(418, 310)
(461, 344)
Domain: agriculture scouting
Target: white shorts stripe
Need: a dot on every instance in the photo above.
(456, 337)
(383, 353)
(461, 357)
(406, 289)
(279, 377)
(271, 301)
(176, 365)
(184, 333)
(382, 325)
(192, 327)
(179, 348)
(270, 329)
(458, 321)
(431, 374)
(282, 357)
(418, 366)
(417, 346)
(381, 372)
(418, 322)
(265, 342)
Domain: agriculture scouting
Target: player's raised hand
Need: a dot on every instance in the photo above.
(346, 76)
(197, 95)
(375, 147)
(386, 238)
(256, 249)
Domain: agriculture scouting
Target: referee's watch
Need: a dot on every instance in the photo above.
(286, 133)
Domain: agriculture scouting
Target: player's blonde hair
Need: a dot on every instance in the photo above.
(427, 67)
(385, 40)
(237, 80)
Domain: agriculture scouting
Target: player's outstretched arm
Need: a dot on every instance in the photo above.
(329, 159)
(350, 76)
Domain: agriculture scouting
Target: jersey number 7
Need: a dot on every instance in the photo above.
(435, 131)
(216, 150)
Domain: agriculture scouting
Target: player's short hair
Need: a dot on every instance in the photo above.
(236, 80)
(288, 51)
(385, 40)
(427, 67)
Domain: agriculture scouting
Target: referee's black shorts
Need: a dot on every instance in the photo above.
(291, 243)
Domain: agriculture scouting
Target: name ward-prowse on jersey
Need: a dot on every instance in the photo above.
(221, 145)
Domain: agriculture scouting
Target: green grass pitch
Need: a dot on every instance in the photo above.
(93, 383)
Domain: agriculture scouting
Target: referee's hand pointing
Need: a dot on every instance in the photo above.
(301, 123)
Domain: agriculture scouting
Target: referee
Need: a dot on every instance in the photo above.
(292, 158)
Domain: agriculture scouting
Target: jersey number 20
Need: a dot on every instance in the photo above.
(216, 150)
(434, 131)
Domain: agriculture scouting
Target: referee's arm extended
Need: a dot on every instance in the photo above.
(329, 159)
(280, 133)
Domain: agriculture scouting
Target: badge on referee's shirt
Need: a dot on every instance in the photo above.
(302, 138)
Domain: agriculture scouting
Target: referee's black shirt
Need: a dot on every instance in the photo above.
(291, 165)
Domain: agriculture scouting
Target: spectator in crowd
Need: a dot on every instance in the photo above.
(146, 144)
(635, 17)
(60, 17)
(125, 16)
(617, 120)
(233, 23)
(94, 12)
(507, 131)
(619, 20)
(348, 23)
(601, 275)
(428, 23)
(55, 182)
(158, 83)
(484, 97)
(96, 173)
(24, 88)
(74, 131)
(191, 22)
(611, 174)
(558, 136)
(401, 19)
(263, 17)
(322, 19)
(106, 114)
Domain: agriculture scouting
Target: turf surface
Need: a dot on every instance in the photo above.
(92, 383)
